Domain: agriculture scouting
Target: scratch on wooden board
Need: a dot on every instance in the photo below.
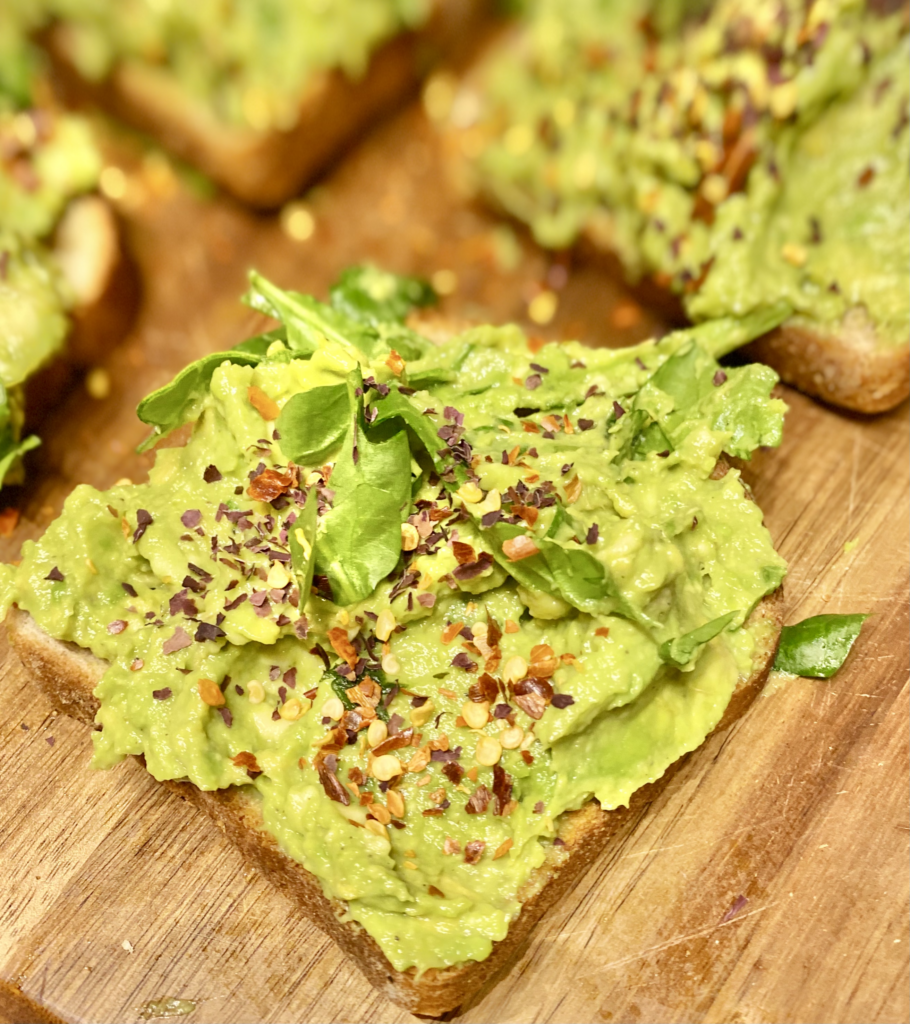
(701, 933)
(753, 825)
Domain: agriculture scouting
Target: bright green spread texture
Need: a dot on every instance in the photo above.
(742, 154)
(249, 61)
(45, 160)
(422, 598)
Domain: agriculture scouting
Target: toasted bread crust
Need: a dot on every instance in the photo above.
(68, 674)
(848, 366)
(265, 168)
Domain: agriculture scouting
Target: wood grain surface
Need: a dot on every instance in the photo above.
(767, 883)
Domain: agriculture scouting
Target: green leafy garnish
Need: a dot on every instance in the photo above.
(681, 650)
(302, 542)
(359, 541)
(818, 646)
(312, 423)
(176, 403)
(375, 296)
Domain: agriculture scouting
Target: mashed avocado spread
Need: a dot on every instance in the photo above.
(741, 154)
(421, 598)
(46, 159)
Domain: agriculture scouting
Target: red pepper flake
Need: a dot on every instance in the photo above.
(483, 690)
(270, 484)
(473, 851)
(55, 575)
(479, 800)
(530, 427)
(532, 696)
(517, 548)
(527, 757)
(539, 807)
(503, 848)
(464, 553)
(866, 177)
(9, 517)
(334, 790)
(719, 378)
(562, 700)
(585, 425)
(451, 631)
(212, 475)
(261, 402)
(618, 410)
(226, 716)
(338, 638)
(192, 517)
(433, 891)
(526, 512)
(137, 664)
(602, 631)
(162, 694)
(117, 626)
(177, 642)
(247, 760)
(543, 661)
(502, 788)
(433, 812)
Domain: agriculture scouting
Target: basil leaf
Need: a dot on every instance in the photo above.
(817, 647)
(681, 650)
(312, 423)
(175, 404)
(359, 542)
(302, 542)
(374, 296)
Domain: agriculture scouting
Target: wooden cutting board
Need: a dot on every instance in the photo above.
(767, 883)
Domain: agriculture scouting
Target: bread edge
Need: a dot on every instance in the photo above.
(266, 168)
(67, 675)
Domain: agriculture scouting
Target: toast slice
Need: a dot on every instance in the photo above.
(67, 674)
(265, 168)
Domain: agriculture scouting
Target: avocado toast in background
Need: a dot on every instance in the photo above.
(734, 157)
(431, 598)
(261, 97)
(62, 271)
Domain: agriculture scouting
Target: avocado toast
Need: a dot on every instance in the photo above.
(434, 599)
(733, 158)
(62, 271)
(261, 97)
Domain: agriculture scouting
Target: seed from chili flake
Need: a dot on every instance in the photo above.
(136, 664)
(210, 692)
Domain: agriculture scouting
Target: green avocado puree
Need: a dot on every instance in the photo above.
(418, 597)
(742, 155)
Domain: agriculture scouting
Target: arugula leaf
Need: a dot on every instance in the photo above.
(568, 573)
(259, 344)
(175, 404)
(736, 401)
(359, 541)
(375, 296)
(309, 322)
(302, 542)
(681, 650)
(395, 408)
(313, 422)
(818, 646)
(10, 455)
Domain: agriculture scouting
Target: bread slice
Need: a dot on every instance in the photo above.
(67, 674)
(265, 168)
